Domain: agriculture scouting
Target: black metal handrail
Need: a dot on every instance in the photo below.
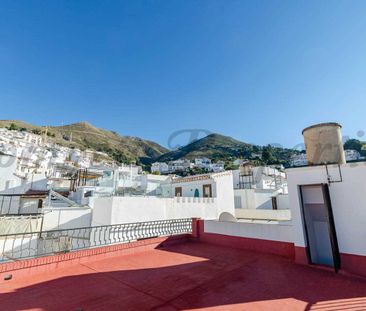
(34, 244)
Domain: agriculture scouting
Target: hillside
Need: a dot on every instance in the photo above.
(83, 136)
(213, 146)
(126, 149)
(219, 147)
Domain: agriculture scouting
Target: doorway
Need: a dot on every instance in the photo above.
(178, 191)
(321, 237)
(196, 193)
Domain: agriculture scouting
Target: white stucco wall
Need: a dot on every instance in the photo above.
(66, 218)
(188, 188)
(224, 192)
(283, 202)
(205, 208)
(271, 231)
(348, 200)
(9, 183)
(116, 210)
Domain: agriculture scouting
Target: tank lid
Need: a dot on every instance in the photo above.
(321, 124)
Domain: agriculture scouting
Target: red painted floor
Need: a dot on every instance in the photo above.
(187, 276)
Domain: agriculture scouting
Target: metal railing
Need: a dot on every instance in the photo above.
(36, 244)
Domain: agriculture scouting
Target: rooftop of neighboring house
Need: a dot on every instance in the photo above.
(188, 179)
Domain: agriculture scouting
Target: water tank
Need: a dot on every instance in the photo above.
(246, 168)
(323, 143)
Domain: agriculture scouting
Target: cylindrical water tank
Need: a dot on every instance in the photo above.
(323, 143)
(245, 169)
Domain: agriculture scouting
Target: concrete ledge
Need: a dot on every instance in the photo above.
(46, 263)
(265, 214)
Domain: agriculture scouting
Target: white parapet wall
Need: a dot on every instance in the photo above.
(265, 214)
(273, 231)
(116, 210)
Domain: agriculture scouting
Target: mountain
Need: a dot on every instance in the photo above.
(219, 147)
(126, 149)
(83, 136)
(213, 146)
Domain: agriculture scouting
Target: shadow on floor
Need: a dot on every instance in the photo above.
(187, 276)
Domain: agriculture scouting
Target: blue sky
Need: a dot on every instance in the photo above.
(258, 71)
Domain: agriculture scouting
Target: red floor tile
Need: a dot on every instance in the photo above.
(187, 276)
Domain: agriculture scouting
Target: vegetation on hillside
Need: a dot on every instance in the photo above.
(82, 135)
(218, 147)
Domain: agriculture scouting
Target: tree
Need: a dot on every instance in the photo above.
(267, 155)
(37, 131)
(229, 166)
(353, 144)
(13, 127)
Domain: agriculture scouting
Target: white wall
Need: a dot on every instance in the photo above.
(259, 199)
(66, 218)
(188, 188)
(116, 210)
(9, 183)
(271, 231)
(224, 192)
(283, 202)
(205, 208)
(221, 185)
(348, 200)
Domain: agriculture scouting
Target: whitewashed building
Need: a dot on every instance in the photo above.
(352, 155)
(261, 193)
(205, 196)
(204, 163)
(299, 159)
(160, 167)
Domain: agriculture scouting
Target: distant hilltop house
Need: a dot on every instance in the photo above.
(238, 162)
(301, 159)
(160, 167)
(202, 163)
(183, 165)
(352, 155)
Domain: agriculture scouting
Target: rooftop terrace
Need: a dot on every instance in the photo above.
(186, 275)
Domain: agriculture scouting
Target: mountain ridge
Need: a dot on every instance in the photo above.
(220, 147)
(130, 149)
